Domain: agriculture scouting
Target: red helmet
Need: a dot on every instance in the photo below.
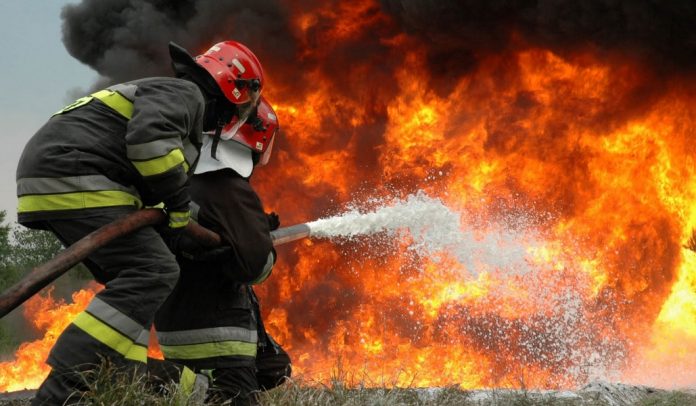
(258, 134)
(236, 70)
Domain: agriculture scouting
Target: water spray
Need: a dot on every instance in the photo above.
(433, 226)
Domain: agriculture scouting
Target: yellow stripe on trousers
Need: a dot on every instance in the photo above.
(106, 335)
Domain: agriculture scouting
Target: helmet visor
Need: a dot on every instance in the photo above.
(266, 156)
(244, 111)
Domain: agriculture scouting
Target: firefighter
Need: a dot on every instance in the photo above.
(107, 155)
(211, 322)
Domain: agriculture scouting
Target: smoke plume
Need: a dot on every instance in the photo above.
(125, 39)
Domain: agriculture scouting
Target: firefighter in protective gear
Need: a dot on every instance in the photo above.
(107, 155)
(211, 321)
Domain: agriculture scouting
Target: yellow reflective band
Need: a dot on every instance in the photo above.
(209, 350)
(106, 335)
(117, 102)
(178, 219)
(77, 103)
(76, 200)
(160, 165)
(113, 99)
(187, 380)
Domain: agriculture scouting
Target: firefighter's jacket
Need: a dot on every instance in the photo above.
(125, 146)
(209, 320)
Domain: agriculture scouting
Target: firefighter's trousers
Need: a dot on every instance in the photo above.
(238, 386)
(138, 272)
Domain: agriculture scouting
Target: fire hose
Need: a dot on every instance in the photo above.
(42, 275)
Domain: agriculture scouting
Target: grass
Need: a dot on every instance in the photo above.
(110, 387)
(337, 394)
(671, 398)
(107, 386)
(294, 393)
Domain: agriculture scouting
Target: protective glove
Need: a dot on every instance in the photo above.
(183, 245)
(194, 251)
(219, 254)
(273, 220)
(171, 233)
(171, 237)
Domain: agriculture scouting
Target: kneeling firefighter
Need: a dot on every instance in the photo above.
(106, 155)
(211, 322)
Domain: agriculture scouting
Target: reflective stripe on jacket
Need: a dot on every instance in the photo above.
(73, 192)
(208, 343)
(127, 145)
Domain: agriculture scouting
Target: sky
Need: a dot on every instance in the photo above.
(37, 78)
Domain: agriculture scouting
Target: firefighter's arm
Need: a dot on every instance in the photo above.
(248, 260)
(235, 212)
(183, 245)
(164, 114)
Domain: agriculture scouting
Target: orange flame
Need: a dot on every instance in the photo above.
(599, 173)
(28, 368)
(50, 316)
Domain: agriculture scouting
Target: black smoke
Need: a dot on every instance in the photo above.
(661, 34)
(127, 39)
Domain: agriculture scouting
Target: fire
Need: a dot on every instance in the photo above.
(576, 169)
(49, 316)
(669, 353)
(559, 151)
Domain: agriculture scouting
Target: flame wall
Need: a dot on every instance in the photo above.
(590, 148)
(558, 141)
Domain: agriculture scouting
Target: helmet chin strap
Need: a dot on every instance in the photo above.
(222, 120)
(216, 137)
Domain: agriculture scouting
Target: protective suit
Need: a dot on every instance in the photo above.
(96, 160)
(211, 321)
